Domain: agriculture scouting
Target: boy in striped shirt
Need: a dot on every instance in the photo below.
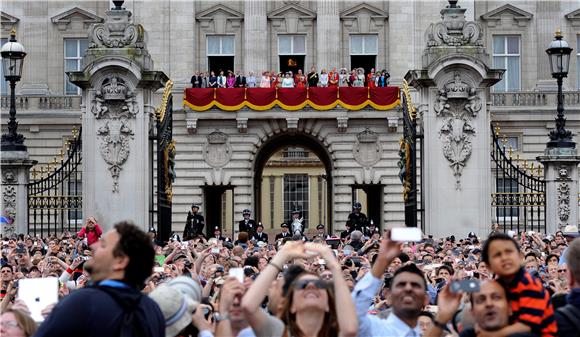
(532, 310)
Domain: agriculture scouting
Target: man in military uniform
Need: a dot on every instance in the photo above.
(285, 233)
(260, 236)
(194, 224)
(247, 225)
(357, 219)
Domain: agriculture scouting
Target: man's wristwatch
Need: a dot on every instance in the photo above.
(219, 317)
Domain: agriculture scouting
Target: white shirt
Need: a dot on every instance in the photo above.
(371, 325)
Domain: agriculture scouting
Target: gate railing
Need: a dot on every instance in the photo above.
(408, 157)
(519, 200)
(55, 198)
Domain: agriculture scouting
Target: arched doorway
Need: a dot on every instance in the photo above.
(288, 145)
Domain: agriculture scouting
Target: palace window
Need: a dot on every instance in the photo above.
(74, 50)
(296, 191)
(295, 152)
(363, 51)
(506, 55)
(221, 50)
(291, 52)
(512, 142)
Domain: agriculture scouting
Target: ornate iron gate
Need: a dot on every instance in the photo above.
(55, 200)
(519, 200)
(165, 162)
(408, 158)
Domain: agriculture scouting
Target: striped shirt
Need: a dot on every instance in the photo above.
(531, 304)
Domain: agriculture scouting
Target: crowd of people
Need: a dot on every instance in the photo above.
(276, 79)
(125, 282)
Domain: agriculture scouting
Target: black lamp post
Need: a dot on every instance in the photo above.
(559, 54)
(12, 59)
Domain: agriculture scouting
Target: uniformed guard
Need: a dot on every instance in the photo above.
(194, 223)
(357, 219)
(260, 236)
(247, 225)
(285, 233)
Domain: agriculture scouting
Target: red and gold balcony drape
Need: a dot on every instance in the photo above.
(351, 98)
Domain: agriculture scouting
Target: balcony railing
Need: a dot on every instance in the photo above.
(42, 102)
(532, 98)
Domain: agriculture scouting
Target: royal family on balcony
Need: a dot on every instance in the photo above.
(273, 79)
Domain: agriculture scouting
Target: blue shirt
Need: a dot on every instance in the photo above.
(371, 325)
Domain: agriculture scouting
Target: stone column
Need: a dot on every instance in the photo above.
(327, 35)
(256, 49)
(118, 85)
(454, 83)
(561, 175)
(34, 35)
(15, 167)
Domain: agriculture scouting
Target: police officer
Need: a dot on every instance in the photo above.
(357, 219)
(217, 233)
(320, 233)
(370, 230)
(194, 224)
(285, 233)
(247, 225)
(260, 235)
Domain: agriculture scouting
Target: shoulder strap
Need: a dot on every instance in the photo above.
(572, 314)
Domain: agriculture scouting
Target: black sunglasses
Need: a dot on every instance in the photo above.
(302, 284)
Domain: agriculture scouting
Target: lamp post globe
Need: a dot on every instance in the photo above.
(559, 56)
(12, 60)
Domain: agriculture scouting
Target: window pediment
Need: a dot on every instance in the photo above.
(292, 10)
(499, 15)
(8, 21)
(220, 10)
(364, 9)
(574, 16)
(64, 19)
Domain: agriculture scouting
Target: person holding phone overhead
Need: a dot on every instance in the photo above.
(114, 306)
(91, 232)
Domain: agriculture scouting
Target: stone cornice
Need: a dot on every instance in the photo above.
(64, 19)
(8, 21)
(376, 13)
(208, 14)
(280, 13)
(521, 16)
(574, 17)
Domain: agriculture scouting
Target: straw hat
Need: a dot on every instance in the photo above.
(176, 308)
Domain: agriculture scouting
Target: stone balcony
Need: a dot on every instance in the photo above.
(42, 103)
(533, 99)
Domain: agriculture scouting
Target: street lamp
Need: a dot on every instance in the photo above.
(12, 59)
(559, 54)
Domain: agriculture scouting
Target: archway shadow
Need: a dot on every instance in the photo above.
(281, 140)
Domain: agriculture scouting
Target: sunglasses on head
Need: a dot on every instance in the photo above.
(302, 284)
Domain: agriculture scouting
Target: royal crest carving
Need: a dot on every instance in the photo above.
(367, 150)
(457, 104)
(116, 106)
(217, 151)
(9, 177)
(117, 32)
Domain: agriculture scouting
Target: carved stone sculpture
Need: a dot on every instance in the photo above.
(454, 30)
(367, 150)
(563, 190)
(117, 33)
(9, 209)
(457, 103)
(116, 106)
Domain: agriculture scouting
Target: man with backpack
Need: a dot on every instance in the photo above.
(114, 305)
(568, 317)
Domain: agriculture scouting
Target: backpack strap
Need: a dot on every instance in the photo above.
(572, 314)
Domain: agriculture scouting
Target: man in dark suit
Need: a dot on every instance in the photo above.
(260, 235)
(247, 225)
(285, 233)
(240, 80)
(196, 80)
